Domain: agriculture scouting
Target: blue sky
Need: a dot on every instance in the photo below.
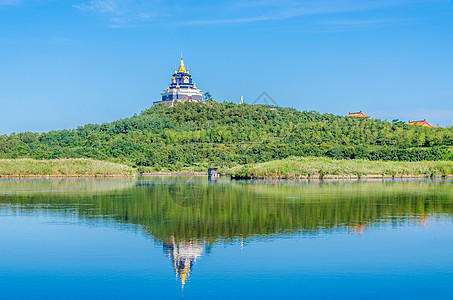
(66, 63)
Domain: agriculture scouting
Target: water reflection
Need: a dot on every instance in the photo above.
(357, 229)
(82, 186)
(183, 255)
(187, 215)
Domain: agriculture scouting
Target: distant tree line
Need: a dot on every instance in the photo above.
(227, 134)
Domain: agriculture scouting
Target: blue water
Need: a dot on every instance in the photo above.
(50, 249)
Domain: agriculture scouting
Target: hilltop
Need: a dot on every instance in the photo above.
(193, 136)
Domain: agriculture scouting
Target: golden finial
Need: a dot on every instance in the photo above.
(181, 67)
(182, 276)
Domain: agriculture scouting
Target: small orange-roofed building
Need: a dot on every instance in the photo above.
(423, 123)
(359, 114)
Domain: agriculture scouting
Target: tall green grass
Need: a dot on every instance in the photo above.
(62, 167)
(313, 167)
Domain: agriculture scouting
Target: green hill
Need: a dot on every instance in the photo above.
(194, 136)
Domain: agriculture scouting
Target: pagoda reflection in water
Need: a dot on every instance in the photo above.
(184, 255)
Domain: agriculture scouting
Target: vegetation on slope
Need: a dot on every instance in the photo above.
(194, 136)
(312, 167)
(62, 167)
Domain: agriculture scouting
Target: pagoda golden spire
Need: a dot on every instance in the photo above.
(181, 67)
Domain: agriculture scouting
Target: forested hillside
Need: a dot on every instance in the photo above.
(198, 135)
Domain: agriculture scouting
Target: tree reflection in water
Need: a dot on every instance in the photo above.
(189, 214)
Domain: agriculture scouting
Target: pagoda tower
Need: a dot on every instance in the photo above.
(182, 88)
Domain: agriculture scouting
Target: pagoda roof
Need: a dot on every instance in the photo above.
(359, 114)
(182, 69)
(422, 123)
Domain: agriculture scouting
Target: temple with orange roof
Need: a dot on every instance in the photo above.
(359, 114)
(423, 123)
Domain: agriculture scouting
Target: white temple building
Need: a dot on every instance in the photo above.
(182, 88)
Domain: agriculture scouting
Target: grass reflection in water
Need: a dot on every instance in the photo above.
(191, 208)
(188, 214)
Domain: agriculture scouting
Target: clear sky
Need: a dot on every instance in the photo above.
(65, 63)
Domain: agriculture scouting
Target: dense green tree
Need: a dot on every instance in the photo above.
(227, 134)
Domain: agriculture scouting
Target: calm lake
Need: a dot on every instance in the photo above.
(187, 237)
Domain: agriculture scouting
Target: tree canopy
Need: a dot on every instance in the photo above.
(226, 134)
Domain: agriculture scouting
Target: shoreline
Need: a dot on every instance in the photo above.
(295, 168)
(70, 167)
(342, 177)
(326, 168)
(174, 174)
(63, 176)
(283, 178)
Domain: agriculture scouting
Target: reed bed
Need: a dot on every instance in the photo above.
(62, 167)
(324, 168)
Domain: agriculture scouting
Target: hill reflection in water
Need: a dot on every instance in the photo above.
(189, 214)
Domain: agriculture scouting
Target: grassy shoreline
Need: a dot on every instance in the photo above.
(291, 168)
(62, 168)
(325, 168)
